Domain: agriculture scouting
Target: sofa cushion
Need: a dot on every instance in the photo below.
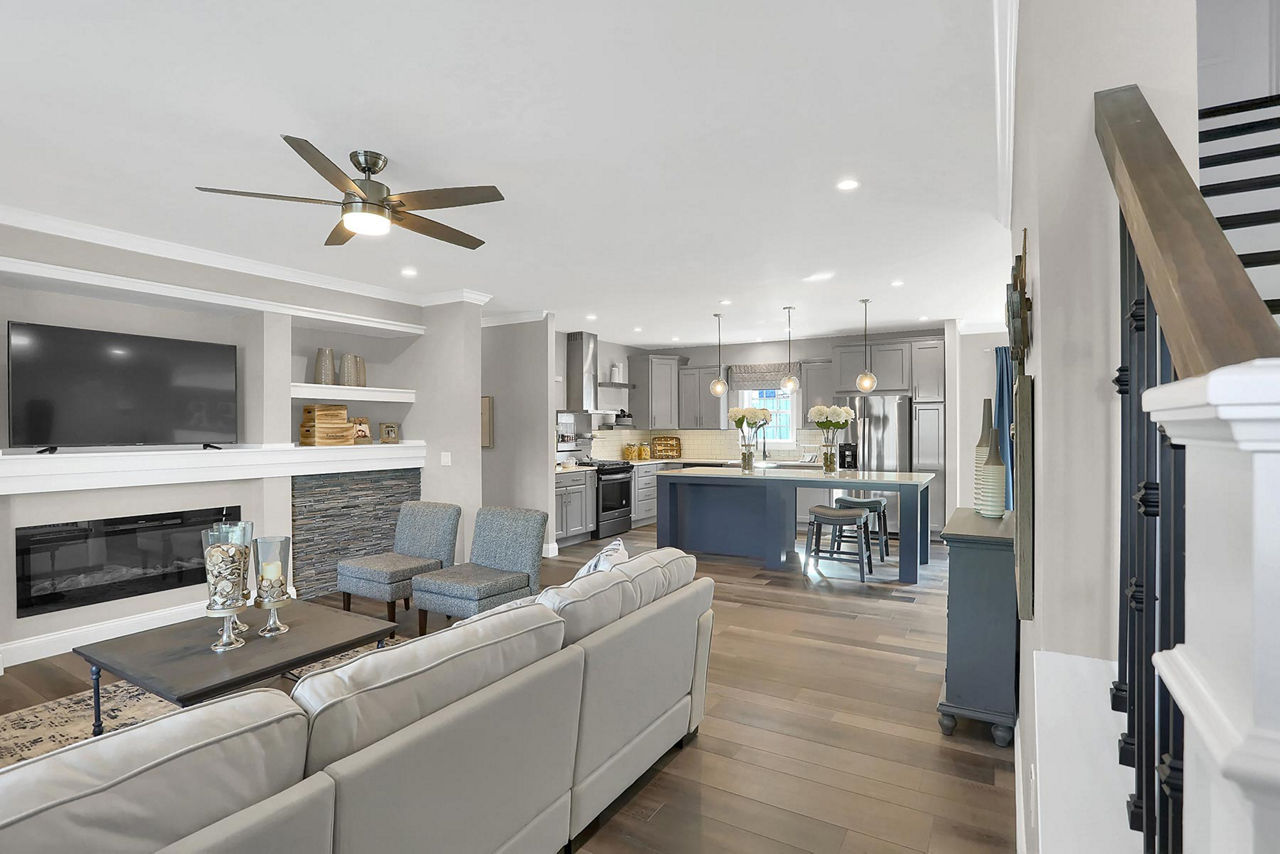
(370, 697)
(590, 602)
(470, 581)
(614, 553)
(656, 573)
(387, 568)
(147, 786)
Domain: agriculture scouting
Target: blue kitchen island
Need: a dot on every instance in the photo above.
(725, 511)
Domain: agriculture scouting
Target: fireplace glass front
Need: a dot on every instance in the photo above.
(70, 564)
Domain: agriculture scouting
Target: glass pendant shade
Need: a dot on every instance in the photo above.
(866, 382)
(790, 383)
(719, 387)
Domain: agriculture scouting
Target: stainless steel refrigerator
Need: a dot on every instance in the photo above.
(883, 437)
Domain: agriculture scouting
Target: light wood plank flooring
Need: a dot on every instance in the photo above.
(820, 734)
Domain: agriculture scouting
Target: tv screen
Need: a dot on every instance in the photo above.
(70, 387)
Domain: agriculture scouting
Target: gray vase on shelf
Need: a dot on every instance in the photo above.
(980, 454)
(362, 377)
(324, 366)
(347, 370)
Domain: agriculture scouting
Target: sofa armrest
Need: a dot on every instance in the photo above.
(298, 819)
(702, 654)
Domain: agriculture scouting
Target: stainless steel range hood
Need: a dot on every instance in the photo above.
(581, 380)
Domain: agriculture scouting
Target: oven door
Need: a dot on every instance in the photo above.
(613, 496)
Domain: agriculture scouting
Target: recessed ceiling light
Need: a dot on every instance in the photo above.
(923, 318)
(591, 317)
(897, 283)
(758, 340)
(847, 185)
(821, 276)
(637, 329)
(726, 302)
(408, 272)
(675, 338)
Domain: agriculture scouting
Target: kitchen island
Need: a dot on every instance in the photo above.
(724, 511)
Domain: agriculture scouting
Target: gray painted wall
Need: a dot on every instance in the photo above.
(516, 370)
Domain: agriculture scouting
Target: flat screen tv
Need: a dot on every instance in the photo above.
(81, 387)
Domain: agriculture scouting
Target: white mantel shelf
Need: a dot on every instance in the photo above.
(28, 473)
(317, 391)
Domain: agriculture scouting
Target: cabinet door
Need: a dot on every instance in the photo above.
(891, 363)
(560, 513)
(713, 411)
(817, 384)
(690, 405)
(575, 510)
(928, 371)
(847, 363)
(664, 393)
(928, 437)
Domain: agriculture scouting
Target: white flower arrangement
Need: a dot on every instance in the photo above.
(831, 417)
(749, 419)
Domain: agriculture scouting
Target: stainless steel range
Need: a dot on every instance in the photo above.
(613, 498)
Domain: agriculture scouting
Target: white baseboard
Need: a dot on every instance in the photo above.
(55, 643)
(550, 550)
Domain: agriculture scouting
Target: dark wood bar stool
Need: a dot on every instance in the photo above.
(839, 518)
(875, 506)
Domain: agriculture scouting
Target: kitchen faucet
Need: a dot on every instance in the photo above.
(764, 447)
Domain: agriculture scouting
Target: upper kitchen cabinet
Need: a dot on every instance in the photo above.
(698, 408)
(890, 362)
(817, 383)
(655, 401)
(928, 371)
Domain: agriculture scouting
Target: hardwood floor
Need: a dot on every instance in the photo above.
(820, 732)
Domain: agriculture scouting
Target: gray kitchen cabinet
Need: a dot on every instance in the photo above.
(928, 371)
(560, 516)
(890, 362)
(699, 408)
(655, 402)
(817, 383)
(929, 453)
(982, 625)
(575, 511)
(575, 504)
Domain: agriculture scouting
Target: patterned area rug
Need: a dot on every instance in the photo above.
(41, 729)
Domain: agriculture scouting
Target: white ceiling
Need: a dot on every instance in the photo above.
(656, 157)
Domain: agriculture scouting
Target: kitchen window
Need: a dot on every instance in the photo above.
(786, 413)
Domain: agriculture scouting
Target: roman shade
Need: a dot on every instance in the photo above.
(764, 375)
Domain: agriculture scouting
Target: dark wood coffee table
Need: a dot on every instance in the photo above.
(175, 662)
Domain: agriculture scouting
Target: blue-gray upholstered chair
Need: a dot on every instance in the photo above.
(426, 541)
(506, 554)
(838, 519)
(877, 508)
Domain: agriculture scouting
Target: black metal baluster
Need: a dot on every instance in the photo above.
(1120, 687)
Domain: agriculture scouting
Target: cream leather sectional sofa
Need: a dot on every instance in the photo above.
(508, 732)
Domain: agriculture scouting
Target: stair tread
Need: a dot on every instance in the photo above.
(1249, 220)
(1241, 185)
(1235, 107)
(1242, 155)
(1267, 258)
(1242, 129)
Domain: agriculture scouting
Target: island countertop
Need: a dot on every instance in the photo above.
(844, 479)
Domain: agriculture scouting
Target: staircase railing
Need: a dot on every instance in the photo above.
(1187, 307)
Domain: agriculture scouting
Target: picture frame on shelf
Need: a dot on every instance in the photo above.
(389, 432)
(364, 432)
(486, 421)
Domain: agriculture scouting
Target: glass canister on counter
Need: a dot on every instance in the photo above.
(630, 451)
(644, 452)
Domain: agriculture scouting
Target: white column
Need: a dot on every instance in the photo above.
(1226, 676)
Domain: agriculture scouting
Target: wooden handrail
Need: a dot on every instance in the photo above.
(1209, 309)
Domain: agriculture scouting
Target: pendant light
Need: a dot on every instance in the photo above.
(789, 382)
(718, 385)
(866, 381)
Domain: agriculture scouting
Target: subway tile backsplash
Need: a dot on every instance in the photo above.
(697, 444)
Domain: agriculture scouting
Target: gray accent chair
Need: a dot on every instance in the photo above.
(426, 541)
(506, 555)
(838, 519)
(877, 507)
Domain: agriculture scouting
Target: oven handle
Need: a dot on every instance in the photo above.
(611, 477)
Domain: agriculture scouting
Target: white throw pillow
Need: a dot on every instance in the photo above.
(609, 556)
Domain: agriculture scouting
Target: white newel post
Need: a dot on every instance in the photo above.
(1226, 676)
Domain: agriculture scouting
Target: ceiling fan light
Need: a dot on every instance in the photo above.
(364, 218)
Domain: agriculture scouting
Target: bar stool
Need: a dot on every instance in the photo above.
(838, 518)
(875, 506)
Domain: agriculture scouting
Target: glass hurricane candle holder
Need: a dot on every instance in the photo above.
(241, 533)
(226, 565)
(274, 578)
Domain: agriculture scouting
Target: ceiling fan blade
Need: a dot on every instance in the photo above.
(438, 230)
(272, 196)
(447, 197)
(339, 235)
(328, 170)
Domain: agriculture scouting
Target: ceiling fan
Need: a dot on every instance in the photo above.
(369, 207)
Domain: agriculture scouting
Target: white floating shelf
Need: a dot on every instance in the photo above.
(23, 473)
(368, 394)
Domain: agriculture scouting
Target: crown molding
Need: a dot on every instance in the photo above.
(459, 295)
(34, 221)
(508, 318)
